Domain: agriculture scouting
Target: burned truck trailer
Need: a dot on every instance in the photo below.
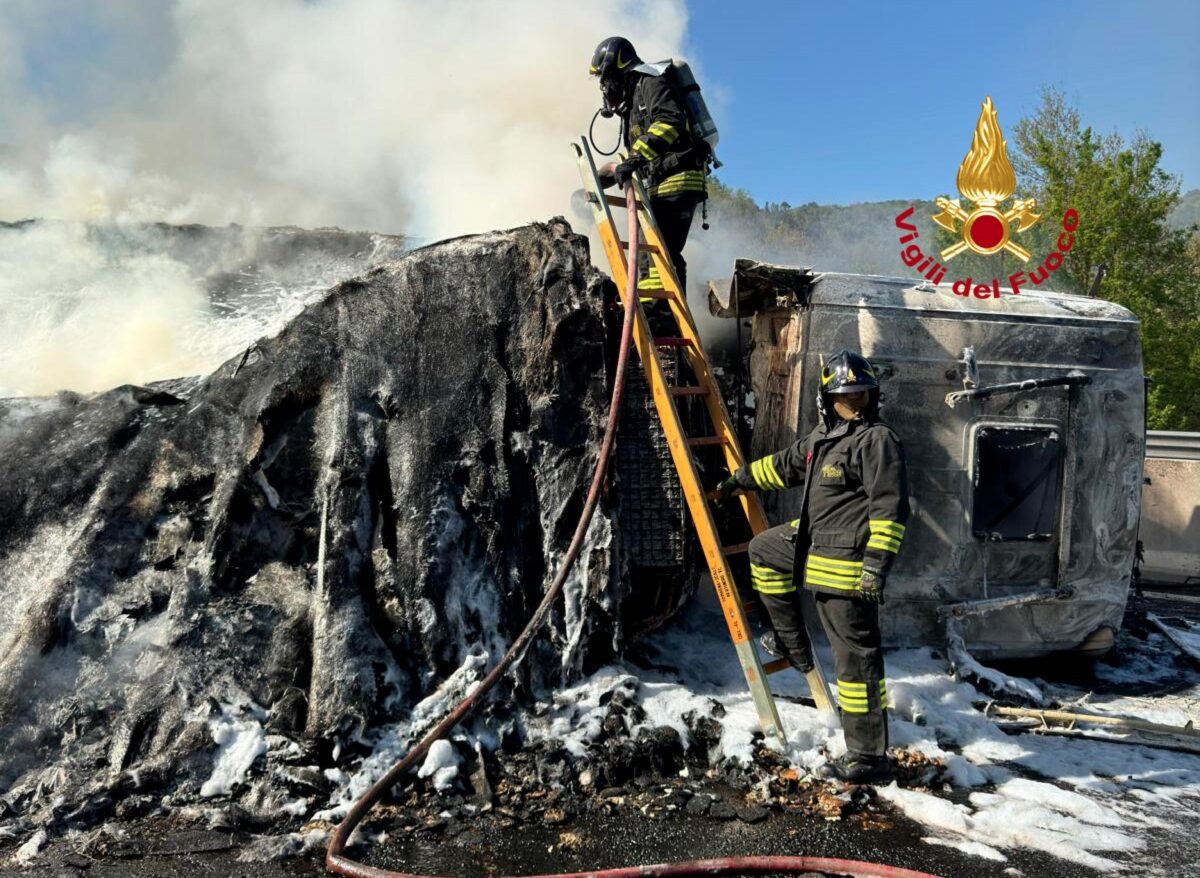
(1024, 426)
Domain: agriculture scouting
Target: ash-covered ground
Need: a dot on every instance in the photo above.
(655, 758)
(236, 600)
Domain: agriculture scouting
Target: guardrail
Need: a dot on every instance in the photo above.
(1173, 445)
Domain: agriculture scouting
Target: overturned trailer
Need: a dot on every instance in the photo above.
(1023, 422)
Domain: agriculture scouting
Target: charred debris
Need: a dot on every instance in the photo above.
(277, 557)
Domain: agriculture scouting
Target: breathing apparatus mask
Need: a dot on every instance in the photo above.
(614, 90)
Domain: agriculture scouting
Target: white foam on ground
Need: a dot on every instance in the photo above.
(974, 848)
(441, 763)
(396, 740)
(240, 739)
(1086, 801)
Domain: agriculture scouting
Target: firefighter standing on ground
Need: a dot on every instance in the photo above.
(664, 154)
(855, 506)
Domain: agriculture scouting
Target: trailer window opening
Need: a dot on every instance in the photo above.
(1018, 477)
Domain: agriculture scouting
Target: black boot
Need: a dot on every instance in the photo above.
(787, 638)
(800, 659)
(860, 768)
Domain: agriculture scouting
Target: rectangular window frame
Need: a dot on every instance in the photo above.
(1058, 479)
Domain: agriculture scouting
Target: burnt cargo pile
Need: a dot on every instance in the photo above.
(257, 567)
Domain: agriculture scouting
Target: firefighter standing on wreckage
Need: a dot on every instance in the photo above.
(851, 525)
(662, 148)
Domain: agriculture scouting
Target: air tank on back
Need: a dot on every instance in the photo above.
(700, 121)
(703, 126)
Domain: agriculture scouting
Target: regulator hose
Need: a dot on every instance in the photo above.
(592, 137)
(336, 860)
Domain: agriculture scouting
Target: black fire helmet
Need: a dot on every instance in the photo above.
(613, 57)
(613, 61)
(848, 372)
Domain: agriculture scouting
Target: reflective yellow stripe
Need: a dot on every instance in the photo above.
(819, 579)
(835, 562)
(835, 574)
(774, 588)
(852, 697)
(643, 149)
(886, 543)
(685, 181)
(769, 469)
(652, 280)
(883, 526)
(848, 578)
(665, 131)
(765, 475)
(675, 189)
(772, 576)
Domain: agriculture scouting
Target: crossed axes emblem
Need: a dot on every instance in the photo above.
(953, 214)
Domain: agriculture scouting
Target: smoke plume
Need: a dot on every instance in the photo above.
(398, 116)
(427, 119)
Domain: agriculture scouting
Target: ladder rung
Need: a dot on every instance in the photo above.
(712, 495)
(643, 248)
(774, 667)
(666, 341)
(689, 391)
(619, 201)
(736, 549)
(701, 441)
(660, 295)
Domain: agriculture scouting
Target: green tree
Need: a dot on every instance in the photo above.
(1124, 200)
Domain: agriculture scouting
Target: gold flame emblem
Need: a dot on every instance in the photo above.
(986, 178)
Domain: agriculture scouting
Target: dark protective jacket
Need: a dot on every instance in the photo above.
(855, 503)
(657, 130)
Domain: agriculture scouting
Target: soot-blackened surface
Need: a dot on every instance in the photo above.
(232, 579)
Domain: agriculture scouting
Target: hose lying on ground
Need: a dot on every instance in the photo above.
(336, 860)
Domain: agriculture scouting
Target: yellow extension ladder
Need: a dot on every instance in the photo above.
(687, 339)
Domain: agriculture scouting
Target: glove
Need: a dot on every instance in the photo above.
(604, 174)
(871, 585)
(625, 171)
(725, 490)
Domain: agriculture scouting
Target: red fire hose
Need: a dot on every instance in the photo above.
(336, 860)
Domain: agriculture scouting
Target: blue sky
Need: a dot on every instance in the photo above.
(864, 101)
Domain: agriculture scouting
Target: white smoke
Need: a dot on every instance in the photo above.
(422, 118)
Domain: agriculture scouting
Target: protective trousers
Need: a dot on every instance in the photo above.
(771, 558)
(852, 625)
(674, 215)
